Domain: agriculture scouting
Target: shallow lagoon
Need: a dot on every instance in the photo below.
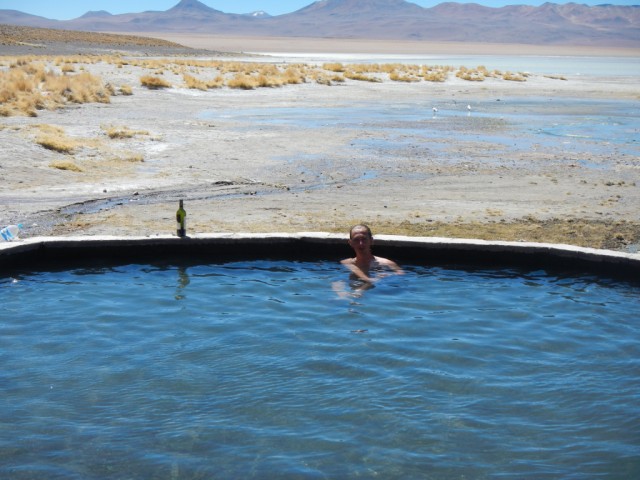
(568, 127)
(259, 370)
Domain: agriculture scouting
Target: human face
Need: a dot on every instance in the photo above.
(360, 240)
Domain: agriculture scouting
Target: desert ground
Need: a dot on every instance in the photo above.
(241, 167)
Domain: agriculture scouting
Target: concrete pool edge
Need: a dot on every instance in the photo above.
(38, 251)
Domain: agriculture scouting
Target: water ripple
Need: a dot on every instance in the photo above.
(257, 369)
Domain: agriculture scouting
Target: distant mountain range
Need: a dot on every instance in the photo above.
(548, 24)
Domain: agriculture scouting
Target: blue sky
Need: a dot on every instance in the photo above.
(66, 10)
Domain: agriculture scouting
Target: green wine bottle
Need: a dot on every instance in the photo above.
(181, 218)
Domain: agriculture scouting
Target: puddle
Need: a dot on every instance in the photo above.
(593, 165)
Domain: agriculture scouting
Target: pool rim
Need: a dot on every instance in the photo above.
(40, 253)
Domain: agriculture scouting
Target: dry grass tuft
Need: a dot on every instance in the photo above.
(322, 79)
(133, 158)
(334, 67)
(66, 165)
(556, 77)
(29, 86)
(47, 129)
(125, 157)
(217, 82)
(80, 88)
(294, 75)
(153, 82)
(352, 75)
(57, 143)
(192, 82)
(265, 81)
(122, 132)
(471, 75)
(243, 81)
(399, 77)
(514, 77)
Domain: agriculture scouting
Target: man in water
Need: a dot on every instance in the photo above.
(366, 268)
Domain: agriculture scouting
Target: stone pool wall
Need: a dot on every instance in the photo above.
(66, 252)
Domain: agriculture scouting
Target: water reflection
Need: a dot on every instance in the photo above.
(183, 281)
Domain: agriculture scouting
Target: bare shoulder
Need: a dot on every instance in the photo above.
(389, 263)
(385, 261)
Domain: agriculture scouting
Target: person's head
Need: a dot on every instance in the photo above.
(361, 228)
(360, 237)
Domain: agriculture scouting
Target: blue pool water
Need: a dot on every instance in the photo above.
(260, 370)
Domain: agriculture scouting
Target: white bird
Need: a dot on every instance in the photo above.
(469, 108)
(435, 110)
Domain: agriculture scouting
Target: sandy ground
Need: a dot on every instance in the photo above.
(240, 169)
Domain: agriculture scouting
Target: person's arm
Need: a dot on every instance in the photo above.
(391, 265)
(357, 271)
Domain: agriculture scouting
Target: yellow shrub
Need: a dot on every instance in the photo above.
(243, 81)
(154, 82)
(28, 87)
(333, 67)
(269, 81)
(193, 83)
(293, 76)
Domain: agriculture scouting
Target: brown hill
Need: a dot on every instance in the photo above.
(14, 35)
(548, 24)
(19, 40)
